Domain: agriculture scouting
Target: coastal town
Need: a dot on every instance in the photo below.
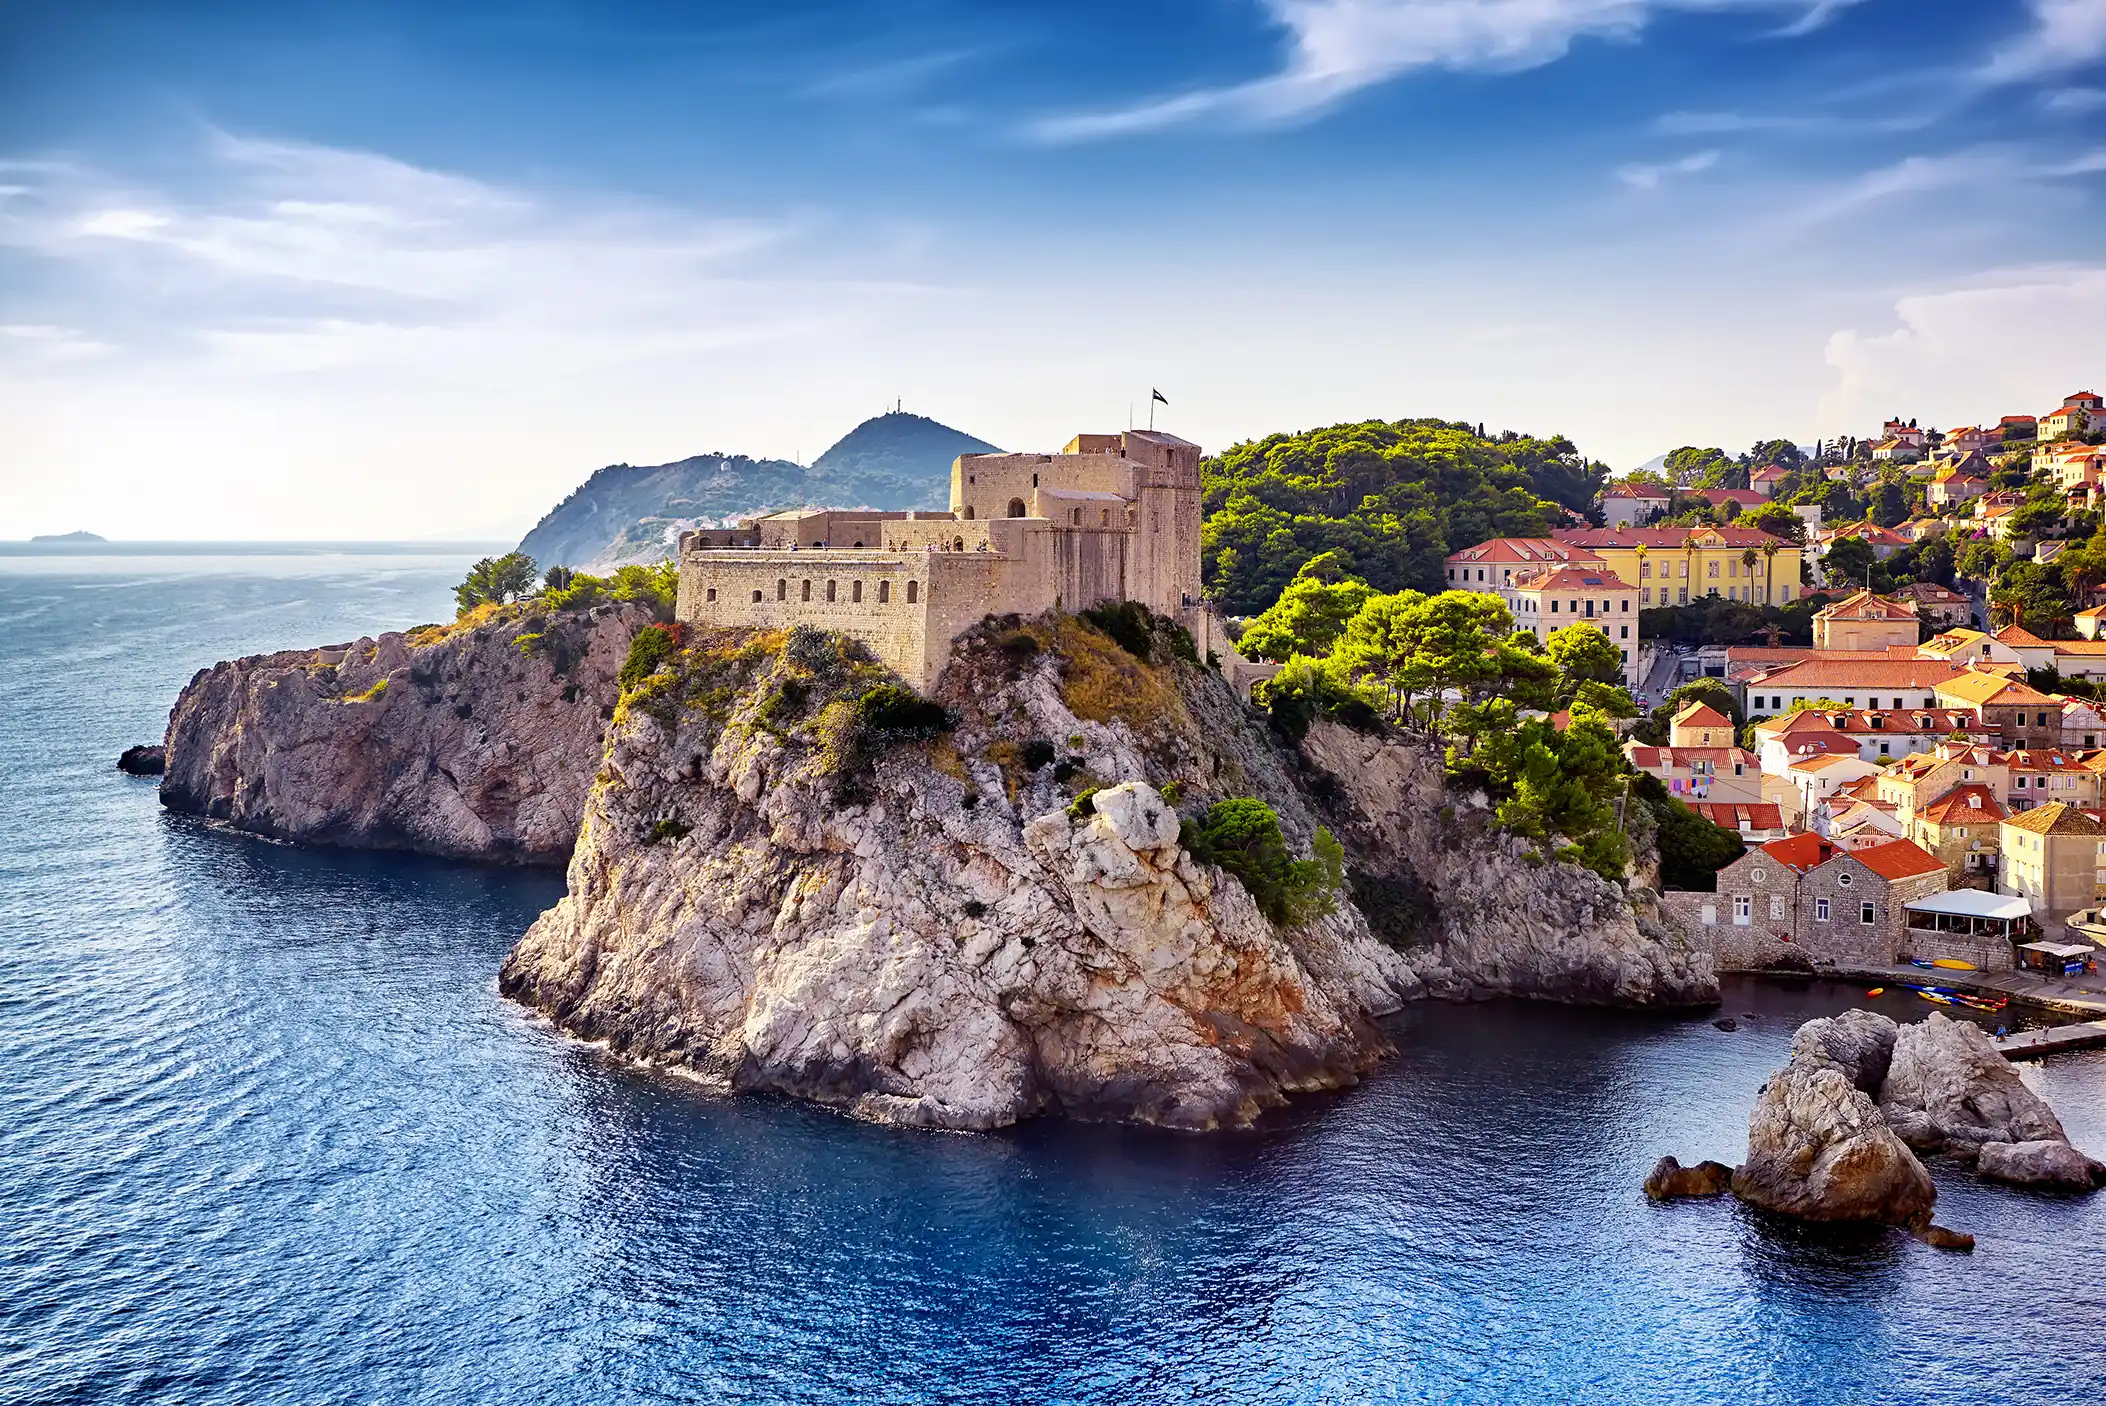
(1918, 778)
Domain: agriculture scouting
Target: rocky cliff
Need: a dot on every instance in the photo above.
(1481, 911)
(474, 743)
(789, 878)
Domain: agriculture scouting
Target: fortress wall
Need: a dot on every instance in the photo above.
(987, 482)
(896, 629)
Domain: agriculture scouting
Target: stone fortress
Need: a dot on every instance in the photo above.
(1111, 517)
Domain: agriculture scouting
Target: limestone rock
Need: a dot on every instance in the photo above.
(1481, 917)
(906, 942)
(1818, 1148)
(143, 761)
(1949, 1089)
(472, 747)
(2047, 1163)
(1669, 1180)
(1940, 1238)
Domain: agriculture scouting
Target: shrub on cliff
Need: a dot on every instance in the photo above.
(652, 647)
(1242, 835)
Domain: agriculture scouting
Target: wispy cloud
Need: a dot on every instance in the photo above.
(2072, 102)
(2066, 35)
(1338, 47)
(890, 77)
(1642, 176)
(1990, 167)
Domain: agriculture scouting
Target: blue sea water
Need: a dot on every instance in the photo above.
(268, 1134)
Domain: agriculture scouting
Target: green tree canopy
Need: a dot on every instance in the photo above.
(1310, 614)
(494, 580)
(1582, 654)
(1392, 500)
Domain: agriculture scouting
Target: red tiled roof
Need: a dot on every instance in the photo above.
(1662, 537)
(1863, 605)
(1899, 859)
(1800, 852)
(1522, 551)
(1627, 490)
(1864, 673)
(1700, 714)
(1728, 815)
(1963, 803)
(1570, 578)
(2020, 636)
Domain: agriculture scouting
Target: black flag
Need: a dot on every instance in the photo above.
(1158, 395)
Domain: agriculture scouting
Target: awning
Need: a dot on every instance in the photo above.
(2064, 950)
(1971, 903)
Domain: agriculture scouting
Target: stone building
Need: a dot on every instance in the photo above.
(2054, 856)
(1863, 620)
(1699, 724)
(1805, 894)
(1961, 827)
(1111, 517)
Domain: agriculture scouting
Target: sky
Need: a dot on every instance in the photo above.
(366, 270)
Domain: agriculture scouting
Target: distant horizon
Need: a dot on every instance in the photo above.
(266, 268)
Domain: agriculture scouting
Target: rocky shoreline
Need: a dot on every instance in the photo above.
(954, 925)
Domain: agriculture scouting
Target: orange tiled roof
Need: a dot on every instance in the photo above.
(1898, 859)
(1530, 551)
(1970, 802)
(2056, 818)
(1863, 673)
(1570, 578)
(1800, 852)
(1730, 815)
(1863, 605)
(1657, 538)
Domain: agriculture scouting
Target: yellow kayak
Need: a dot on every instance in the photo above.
(1953, 964)
(1876, 991)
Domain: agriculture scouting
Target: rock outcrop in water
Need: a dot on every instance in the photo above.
(1817, 1146)
(143, 760)
(1486, 918)
(476, 743)
(1831, 1133)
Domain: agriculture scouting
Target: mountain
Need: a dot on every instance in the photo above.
(627, 512)
(69, 537)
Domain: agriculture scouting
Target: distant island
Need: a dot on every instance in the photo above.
(70, 537)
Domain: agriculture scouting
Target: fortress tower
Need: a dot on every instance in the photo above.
(1110, 517)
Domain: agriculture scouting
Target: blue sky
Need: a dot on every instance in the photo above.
(378, 270)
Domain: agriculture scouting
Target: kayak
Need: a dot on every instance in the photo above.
(1953, 964)
(1875, 991)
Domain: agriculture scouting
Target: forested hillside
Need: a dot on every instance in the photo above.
(1391, 498)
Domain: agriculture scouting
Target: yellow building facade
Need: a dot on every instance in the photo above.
(1676, 565)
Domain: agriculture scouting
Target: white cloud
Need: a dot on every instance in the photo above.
(1982, 168)
(1338, 47)
(1640, 176)
(2004, 343)
(2066, 35)
(2071, 102)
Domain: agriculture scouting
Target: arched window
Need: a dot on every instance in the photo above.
(756, 597)
(1016, 507)
(958, 544)
(968, 512)
(859, 542)
(807, 590)
(913, 592)
(855, 592)
(1107, 518)
(884, 593)
(830, 590)
(1075, 516)
(782, 590)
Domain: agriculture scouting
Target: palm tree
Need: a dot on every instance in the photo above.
(1747, 566)
(1769, 570)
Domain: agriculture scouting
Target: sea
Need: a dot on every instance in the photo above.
(269, 1134)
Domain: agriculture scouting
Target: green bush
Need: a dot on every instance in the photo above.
(1242, 835)
(666, 830)
(1129, 624)
(648, 652)
(1085, 804)
(889, 707)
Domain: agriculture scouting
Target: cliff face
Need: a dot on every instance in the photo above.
(467, 746)
(774, 891)
(1482, 916)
